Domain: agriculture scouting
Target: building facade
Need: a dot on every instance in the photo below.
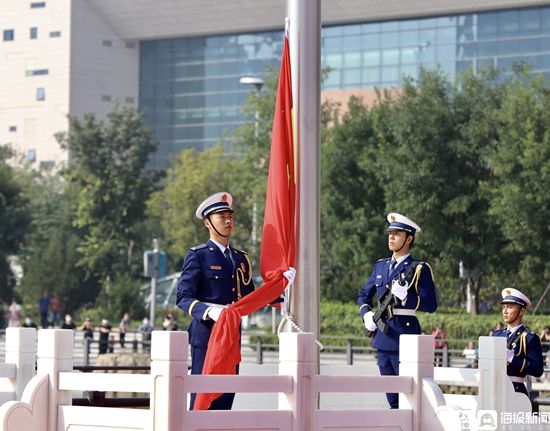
(180, 61)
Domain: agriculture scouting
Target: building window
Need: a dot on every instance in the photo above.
(130, 100)
(13, 128)
(131, 45)
(34, 32)
(107, 42)
(106, 98)
(31, 155)
(47, 164)
(40, 93)
(9, 35)
(37, 72)
(38, 4)
(55, 34)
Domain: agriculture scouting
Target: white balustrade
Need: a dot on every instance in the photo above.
(45, 402)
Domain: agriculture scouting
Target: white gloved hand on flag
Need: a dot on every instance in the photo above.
(290, 274)
(215, 312)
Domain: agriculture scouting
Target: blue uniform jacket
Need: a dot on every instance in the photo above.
(207, 276)
(420, 296)
(528, 353)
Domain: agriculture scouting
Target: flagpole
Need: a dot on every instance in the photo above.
(305, 59)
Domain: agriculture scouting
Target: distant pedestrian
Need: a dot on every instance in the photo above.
(29, 323)
(14, 310)
(44, 308)
(123, 328)
(169, 323)
(88, 329)
(145, 329)
(440, 342)
(55, 309)
(104, 331)
(68, 323)
(112, 341)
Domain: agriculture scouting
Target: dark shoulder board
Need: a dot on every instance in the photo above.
(239, 251)
(198, 247)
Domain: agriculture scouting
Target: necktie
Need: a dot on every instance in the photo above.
(227, 255)
(393, 264)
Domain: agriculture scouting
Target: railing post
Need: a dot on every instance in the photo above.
(349, 352)
(416, 357)
(445, 356)
(496, 391)
(259, 352)
(86, 351)
(55, 354)
(297, 358)
(21, 351)
(168, 371)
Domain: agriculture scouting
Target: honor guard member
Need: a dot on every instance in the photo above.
(213, 276)
(524, 351)
(416, 293)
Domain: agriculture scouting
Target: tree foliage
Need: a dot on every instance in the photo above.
(521, 164)
(49, 256)
(108, 170)
(14, 219)
(352, 202)
(192, 177)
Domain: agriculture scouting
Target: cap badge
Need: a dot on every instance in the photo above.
(392, 218)
(224, 198)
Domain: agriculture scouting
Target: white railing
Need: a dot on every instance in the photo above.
(45, 402)
(19, 366)
(490, 380)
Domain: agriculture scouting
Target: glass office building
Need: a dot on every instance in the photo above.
(191, 96)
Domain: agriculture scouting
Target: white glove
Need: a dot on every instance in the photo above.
(290, 274)
(400, 291)
(214, 312)
(369, 322)
(509, 355)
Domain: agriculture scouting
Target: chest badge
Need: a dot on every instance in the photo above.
(216, 267)
(243, 268)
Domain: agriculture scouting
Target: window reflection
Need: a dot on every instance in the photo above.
(190, 91)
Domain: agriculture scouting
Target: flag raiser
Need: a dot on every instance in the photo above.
(278, 247)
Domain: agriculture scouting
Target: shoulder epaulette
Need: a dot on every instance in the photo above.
(239, 251)
(198, 247)
(384, 259)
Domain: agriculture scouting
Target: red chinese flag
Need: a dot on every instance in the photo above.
(278, 242)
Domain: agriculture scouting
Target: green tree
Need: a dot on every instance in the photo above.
(121, 296)
(108, 172)
(192, 177)
(433, 147)
(49, 256)
(352, 203)
(521, 164)
(14, 219)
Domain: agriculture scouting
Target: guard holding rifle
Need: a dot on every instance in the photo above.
(524, 351)
(401, 285)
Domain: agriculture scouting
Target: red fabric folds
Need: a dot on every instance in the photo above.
(278, 248)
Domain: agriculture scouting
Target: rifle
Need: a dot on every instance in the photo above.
(386, 302)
